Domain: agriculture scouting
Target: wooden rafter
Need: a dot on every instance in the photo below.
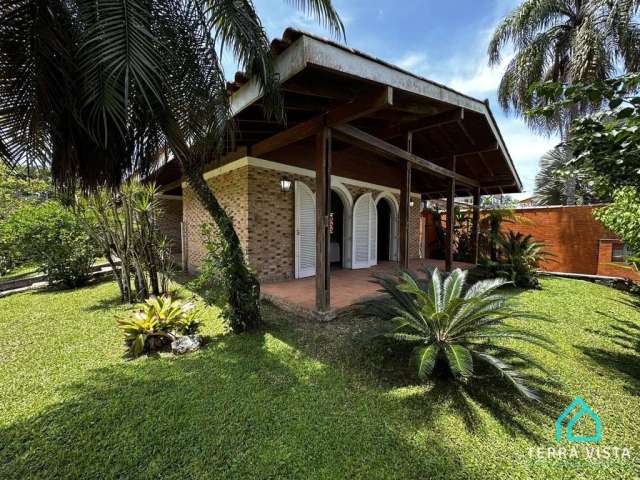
(360, 106)
(354, 135)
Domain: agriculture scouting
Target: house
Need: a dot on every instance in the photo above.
(338, 187)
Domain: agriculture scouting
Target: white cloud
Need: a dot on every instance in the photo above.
(415, 62)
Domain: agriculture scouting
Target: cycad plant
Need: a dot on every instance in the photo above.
(455, 330)
(520, 257)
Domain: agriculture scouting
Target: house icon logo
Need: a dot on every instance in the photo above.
(574, 412)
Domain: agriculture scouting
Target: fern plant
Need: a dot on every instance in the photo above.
(158, 321)
(454, 329)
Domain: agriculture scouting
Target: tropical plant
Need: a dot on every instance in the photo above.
(157, 322)
(124, 224)
(519, 258)
(100, 89)
(565, 41)
(622, 217)
(51, 236)
(454, 330)
(606, 143)
(555, 168)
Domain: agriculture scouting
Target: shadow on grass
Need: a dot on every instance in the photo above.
(248, 406)
(625, 335)
(386, 370)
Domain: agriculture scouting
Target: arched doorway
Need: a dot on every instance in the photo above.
(387, 227)
(336, 231)
(384, 230)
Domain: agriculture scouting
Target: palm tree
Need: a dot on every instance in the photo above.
(568, 41)
(551, 185)
(98, 90)
(454, 329)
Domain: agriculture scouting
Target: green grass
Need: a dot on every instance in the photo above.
(20, 272)
(299, 400)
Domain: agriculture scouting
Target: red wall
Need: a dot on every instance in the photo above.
(579, 242)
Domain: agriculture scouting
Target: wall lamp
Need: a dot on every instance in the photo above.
(411, 203)
(285, 185)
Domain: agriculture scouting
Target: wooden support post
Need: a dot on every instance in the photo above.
(323, 209)
(475, 226)
(405, 209)
(448, 256)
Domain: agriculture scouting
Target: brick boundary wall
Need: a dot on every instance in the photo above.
(263, 216)
(579, 242)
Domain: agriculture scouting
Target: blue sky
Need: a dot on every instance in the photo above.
(443, 41)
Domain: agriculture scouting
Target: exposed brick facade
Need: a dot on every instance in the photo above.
(579, 242)
(170, 220)
(264, 218)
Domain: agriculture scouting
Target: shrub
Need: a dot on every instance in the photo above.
(453, 329)
(51, 236)
(157, 322)
(215, 282)
(124, 225)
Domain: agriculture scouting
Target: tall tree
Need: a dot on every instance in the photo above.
(556, 166)
(99, 89)
(568, 41)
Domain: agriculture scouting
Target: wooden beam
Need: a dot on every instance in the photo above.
(467, 151)
(433, 121)
(448, 255)
(323, 209)
(405, 207)
(361, 106)
(354, 135)
(475, 227)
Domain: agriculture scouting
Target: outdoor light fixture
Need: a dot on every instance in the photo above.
(411, 203)
(285, 184)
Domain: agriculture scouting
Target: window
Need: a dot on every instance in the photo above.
(620, 252)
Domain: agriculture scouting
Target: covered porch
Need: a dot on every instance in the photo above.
(348, 287)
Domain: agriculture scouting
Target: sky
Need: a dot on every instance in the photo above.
(442, 41)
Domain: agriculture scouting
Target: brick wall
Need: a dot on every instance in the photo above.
(264, 218)
(570, 233)
(609, 268)
(231, 190)
(169, 222)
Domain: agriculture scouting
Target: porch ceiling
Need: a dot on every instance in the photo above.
(318, 76)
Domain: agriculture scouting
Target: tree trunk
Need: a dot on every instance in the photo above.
(244, 288)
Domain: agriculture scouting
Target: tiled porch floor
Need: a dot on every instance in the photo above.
(347, 286)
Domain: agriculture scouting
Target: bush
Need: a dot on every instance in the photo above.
(157, 322)
(451, 329)
(212, 284)
(51, 236)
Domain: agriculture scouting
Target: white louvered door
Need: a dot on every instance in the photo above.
(361, 249)
(305, 224)
(373, 232)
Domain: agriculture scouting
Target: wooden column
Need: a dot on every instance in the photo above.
(405, 209)
(475, 226)
(448, 256)
(323, 209)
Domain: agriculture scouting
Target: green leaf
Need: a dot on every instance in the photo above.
(426, 359)
(460, 360)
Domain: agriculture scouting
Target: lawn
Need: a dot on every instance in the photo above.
(300, 400)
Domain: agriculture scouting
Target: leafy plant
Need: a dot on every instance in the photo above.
(51, 236)
(519, 259)
(453, 330)
(124, 224)
(157, 321)
(622, 217)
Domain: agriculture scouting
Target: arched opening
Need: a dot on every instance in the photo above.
(336, 231)
(385, 229)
